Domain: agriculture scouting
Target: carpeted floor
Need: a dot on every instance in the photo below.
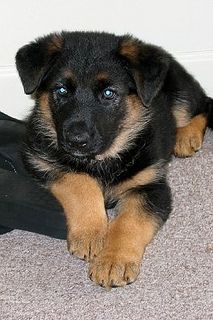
(39, 280)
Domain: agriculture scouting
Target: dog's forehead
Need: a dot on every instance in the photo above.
(90, 51)
(93, 74)
(96, 64)
(88, 42)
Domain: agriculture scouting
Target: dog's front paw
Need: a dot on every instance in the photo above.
(87, 242)
(113, 270)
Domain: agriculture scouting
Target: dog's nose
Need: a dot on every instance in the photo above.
(77, 139)
(80, 140)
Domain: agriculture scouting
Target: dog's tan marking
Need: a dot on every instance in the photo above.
(56, 44)
(82, 200)
(45, 108)
(130, 49)
(136, 119)
(44, 165)
(189, 139)
(69, 74)
(182, 115)
(129, 233)
(41, 164)
(102, 76)
(142, 178)
(44, 119)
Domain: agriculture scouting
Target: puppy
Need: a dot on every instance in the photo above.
(109, 112)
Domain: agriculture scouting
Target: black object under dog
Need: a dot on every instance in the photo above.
(23, 204)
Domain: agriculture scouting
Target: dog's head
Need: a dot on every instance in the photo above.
(93, 89)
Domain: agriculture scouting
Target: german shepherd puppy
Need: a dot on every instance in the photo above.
(109, 113)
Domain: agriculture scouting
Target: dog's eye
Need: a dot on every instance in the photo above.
(62, 91)
(108, 94)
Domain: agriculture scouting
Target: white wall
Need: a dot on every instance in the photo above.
(184, 27)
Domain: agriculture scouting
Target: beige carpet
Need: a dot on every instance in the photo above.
(39, 280)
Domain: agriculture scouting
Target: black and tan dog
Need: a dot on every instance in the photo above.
(109, 112)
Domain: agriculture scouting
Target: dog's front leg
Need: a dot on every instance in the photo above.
(82, 200)
(140, 215)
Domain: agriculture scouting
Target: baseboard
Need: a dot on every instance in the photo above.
(15, 103)
(13, 100)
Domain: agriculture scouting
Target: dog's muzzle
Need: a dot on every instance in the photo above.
(79, 142)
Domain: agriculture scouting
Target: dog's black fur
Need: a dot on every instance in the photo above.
(164, 83)
(81, 123)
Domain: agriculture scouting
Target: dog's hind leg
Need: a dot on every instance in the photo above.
(189, 138)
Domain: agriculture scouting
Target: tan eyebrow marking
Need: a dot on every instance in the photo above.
(102, 76)
(68, 74)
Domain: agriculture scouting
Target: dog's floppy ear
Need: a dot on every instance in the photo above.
(33, 61)
(149, 65)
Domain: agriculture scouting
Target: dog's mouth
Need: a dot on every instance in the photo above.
(94, 149)
(85, 152)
